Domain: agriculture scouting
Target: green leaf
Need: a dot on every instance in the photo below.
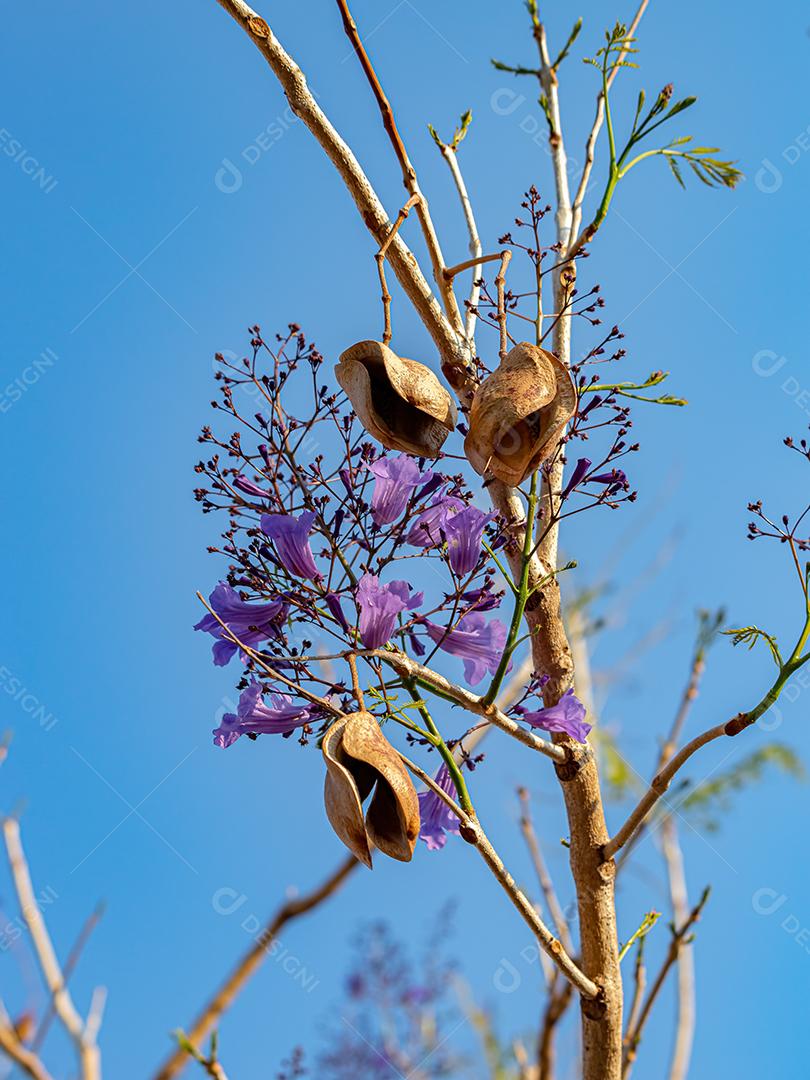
(572, 37)
(750, 635)
(676, 171)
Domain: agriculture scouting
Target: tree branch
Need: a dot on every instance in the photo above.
(452, 349)
(679, 937)
(590, 146)
(473, 833)
(20, 1054)
(83, 1036)
(222, 1000)
(404, 665)
(408, 172)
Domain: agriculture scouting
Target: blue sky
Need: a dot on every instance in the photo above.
(134, 251)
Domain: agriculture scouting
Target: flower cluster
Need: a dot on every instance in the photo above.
(370, 553)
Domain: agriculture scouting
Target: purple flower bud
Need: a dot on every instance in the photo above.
(241, 483)
(580, 469)
(333, 603)
(436, 481)
(594, 403)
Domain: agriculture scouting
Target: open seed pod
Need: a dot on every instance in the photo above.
(358, 758)
(519, 413)
(400, 402)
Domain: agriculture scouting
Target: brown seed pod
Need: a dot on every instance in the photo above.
(400, 402)
(358, 756)
(519, 413)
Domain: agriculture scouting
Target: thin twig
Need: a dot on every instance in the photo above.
(222, 1000)
(450, 155)
(500, 284)
(408, 172)
(471, 702)
(70, 966)
(679, 937)
(685, 1025)
(21, 1055)
(590, 146)
(541, 869)
(380, 259)
(473, 833)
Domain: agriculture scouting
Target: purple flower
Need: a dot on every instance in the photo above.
(426, 530)
(253, 717)
(247, 487)
(479, 643)
(291, 537)
(580, 469)
(251, 623)
(567, 717)
(379, 607)
(395, 481)
(464, 531)
(436, 817)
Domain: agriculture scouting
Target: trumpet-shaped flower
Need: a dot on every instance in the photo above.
(291, 537)
(253, 717)
(464, 532)
(479, 643)
(395, 480)
(567, 717)
(379, 606)
(436, 817)
(251, 623)
(428, 527)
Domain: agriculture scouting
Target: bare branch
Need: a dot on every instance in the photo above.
(408, 172)
(685, 1027)
(543, 876)
(679, 937)
(222, 1000)
(590, 146)
(452, 348)
(449, 152)
(70, 966)
(83, 1036)
(20, 1054)
(473, 833)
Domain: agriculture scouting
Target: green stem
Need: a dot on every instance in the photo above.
(522, 594)
(447, 755)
